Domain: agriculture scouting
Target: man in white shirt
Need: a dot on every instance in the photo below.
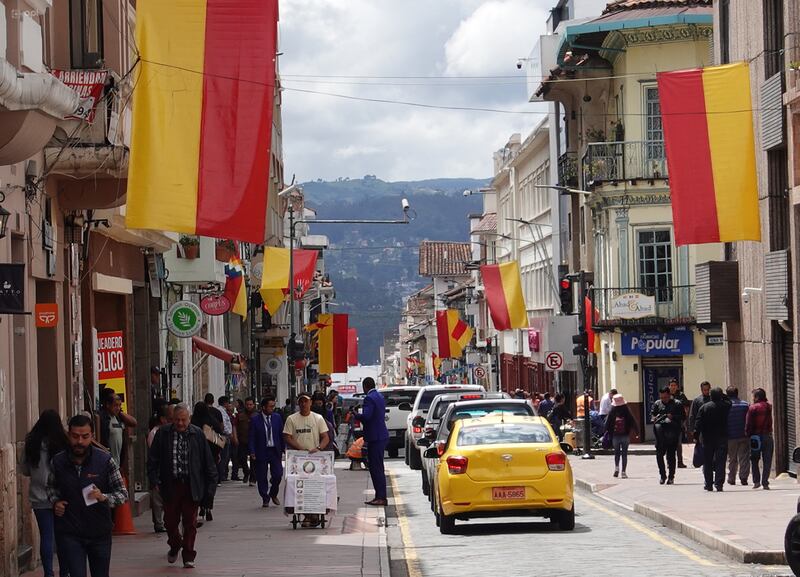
(304, 430)
(606, 403)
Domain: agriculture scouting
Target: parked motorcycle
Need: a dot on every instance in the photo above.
(791, 540)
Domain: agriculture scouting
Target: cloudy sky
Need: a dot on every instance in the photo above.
(464, 53)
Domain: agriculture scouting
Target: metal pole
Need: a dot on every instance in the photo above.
(587, 421)
(497, 362)
(291, 347)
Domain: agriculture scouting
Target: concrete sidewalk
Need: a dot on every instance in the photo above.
(745, 524)
(245, 540)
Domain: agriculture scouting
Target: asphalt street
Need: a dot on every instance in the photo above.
(607, 540)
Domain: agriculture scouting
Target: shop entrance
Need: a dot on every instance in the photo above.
(657, 373)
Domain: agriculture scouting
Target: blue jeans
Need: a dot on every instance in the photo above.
(621, 444)
(375, 451)
(75, 551)
(47, 541)
(765, 456)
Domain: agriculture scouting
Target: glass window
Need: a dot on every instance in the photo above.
(395, 398)
(655, 263)
(503, 434)
(86, 33)
(654, 130)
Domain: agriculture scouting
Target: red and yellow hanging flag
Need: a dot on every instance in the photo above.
(202, 117)
(710, 148)
(235, 289)
(503, 286)
(275, 275)
(590, 316)
(352, 347)
(333, 344)
(453, 334)
(437, 365)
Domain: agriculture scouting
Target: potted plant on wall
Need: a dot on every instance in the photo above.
(225, 250)
(190, 246)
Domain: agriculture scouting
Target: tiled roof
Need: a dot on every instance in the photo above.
(443, 259)
(488, 223)
(617, 5)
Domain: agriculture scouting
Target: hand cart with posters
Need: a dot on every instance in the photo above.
(310, 487)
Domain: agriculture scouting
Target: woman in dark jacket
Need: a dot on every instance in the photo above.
(201, 416)
(46, 439)
(619, 425)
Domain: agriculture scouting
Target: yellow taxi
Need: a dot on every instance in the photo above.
(502, 465)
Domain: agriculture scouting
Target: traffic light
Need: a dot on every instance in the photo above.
(581, 344)
(565, 290)
(295, 350)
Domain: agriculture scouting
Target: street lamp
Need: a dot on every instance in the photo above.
(409, 214)
(489, 190)
(564, 189)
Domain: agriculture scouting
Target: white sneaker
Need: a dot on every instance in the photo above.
(624, 475)
(188, 564)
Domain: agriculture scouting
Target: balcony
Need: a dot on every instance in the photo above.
(624, 161)
(644, 306)
(568, 169)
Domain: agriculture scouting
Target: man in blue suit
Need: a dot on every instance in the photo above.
(376, 435)
(266, 449)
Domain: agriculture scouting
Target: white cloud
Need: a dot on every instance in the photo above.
(328, 137)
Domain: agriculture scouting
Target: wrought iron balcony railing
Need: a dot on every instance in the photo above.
(628, 160)
(568, 169)
(644, 306)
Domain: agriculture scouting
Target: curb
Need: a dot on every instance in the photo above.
(709, 539)
(728, 547)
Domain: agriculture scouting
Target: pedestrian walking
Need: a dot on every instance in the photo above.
(680, 398)
(156, 503)
(546, 405)
(266, 448)
(86, 485)
(606, 403)
(287, 409)
(202, 416)
(620, 424)
(758, 426)
(45, 440)
(113, 421)
(738, 442)
(666, 416)
(243, 418)
(306, 431)
(228, 432)
(697, 402)
(181, 466)
(559, 415)
(711, 430)
(376, 435)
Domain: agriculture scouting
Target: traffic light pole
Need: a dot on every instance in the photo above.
(587, 420)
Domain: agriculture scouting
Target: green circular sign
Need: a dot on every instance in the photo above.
(184, 319)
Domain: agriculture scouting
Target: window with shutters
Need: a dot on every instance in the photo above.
(654, 128)
(655, 263)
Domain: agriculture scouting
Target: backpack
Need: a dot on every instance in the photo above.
(619, 425)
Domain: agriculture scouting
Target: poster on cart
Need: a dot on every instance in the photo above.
(308, 464)
(310, 495)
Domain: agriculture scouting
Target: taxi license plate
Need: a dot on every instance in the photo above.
(508, 493)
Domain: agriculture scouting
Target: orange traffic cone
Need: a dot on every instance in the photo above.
(123, 516)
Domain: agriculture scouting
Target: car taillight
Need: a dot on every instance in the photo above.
(457, 465)
(556, 461)
(418, 423)
(440, 451)
(470, 397)
(417, 430)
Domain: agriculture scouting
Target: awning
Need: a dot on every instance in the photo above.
(214, 350)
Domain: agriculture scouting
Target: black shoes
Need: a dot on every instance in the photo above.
(662, 481)
(671, 481)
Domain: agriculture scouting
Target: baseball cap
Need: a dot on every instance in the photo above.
(304, 394)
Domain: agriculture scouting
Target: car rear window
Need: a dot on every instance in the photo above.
(395, 398)
(475, 412)
(503, 434)
(427, 397)
(441, 408)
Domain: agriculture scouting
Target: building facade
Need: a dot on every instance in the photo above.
(620, 229)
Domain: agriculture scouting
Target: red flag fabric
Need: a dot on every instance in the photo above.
(305, 264)
(352, 347)
(333, 344)
(590, 315)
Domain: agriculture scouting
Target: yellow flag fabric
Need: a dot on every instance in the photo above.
(274, 278)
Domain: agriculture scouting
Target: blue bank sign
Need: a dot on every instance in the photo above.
(677, 342)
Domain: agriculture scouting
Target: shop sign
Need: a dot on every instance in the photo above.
(715, 340)
(672, 343)
(633, 306)
(46, 315)
(215, 305)
(12, 289)
(184, 319)
(111, 363)
(89, 85)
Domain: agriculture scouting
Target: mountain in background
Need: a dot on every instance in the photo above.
(373, 267)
